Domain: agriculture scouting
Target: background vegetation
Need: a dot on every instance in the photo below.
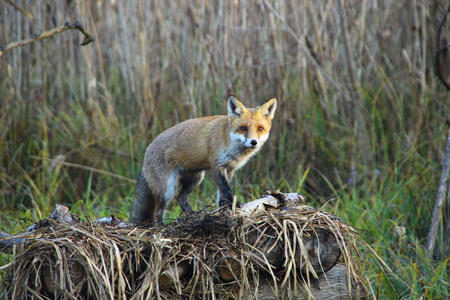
(360, 128)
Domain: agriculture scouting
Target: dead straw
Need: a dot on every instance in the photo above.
(89, 260)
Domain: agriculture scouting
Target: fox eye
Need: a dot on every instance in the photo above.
(243, 128)
(260, 128)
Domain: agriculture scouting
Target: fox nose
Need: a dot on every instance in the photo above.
(254, 143)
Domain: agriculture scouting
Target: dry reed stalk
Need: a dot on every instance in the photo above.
(167, 44)
(440, 204)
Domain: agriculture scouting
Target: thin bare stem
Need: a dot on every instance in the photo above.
(29, 16)
(440, 51)
(305, 50)
(439, 204)
(85, 168)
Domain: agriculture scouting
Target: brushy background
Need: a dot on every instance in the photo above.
(360, 128)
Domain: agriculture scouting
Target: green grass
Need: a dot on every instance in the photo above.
(369, 150)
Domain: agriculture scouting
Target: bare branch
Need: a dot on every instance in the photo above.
(439, 204)
(88, 37)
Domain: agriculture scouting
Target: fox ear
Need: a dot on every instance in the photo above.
(235, 107)
(268, 108)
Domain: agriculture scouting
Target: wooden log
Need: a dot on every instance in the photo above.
(330, 285)
(7, 242)
(49, 276)
(191, 255)
(265, 242)
(172, 274)
(228, 269)
(321, 248)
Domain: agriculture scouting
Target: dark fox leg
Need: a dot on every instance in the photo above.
(188, 182)
(225, 196)
(145, 204)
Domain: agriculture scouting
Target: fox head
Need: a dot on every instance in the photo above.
(250, 126)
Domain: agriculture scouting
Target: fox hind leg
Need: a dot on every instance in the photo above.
(188, 182)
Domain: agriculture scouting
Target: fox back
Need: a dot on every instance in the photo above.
(179, 157)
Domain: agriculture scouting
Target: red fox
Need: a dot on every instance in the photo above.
(179, 157)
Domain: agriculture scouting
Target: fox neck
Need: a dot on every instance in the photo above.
(236, 155)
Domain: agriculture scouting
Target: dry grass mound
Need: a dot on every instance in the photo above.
(278, 251)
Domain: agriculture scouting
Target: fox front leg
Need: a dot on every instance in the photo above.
(225, 195)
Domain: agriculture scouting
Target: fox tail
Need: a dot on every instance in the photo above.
(144, 208)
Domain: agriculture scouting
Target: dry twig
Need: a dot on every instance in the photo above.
(88, 37)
